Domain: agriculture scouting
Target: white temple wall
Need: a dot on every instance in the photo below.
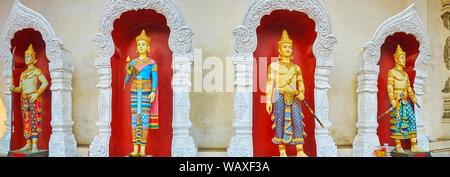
(437, 74)
(353, 21)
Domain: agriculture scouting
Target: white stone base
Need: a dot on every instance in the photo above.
(212, 153)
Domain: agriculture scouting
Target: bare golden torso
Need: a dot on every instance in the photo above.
(29, 79)
(401, 81)
(285, 76)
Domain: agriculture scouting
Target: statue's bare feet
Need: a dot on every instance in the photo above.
(134, 154)
(399, 149)
(283, 153)
(135, 151)
(34, 150)
(301, 154)
(282, 149)
(142, 151)
(141, 154)
(26, 147)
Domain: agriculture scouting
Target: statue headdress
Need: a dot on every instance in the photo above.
(284, 38)
(31, 51)
(399, 52)
(143, 36)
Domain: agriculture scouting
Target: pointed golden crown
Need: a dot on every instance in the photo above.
(399, 52)
(143, 36)
(31, 51)
(284, 38)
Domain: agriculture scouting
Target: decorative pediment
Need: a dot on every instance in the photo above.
(180, 35)
(22, 17)
(246, 39)
(407, 22)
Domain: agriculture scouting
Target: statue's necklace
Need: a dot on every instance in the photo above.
(287, 64)
(401, 71)
(286, 61)
(140, 62)
(29, 73)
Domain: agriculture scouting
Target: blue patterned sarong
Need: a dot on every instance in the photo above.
(403, 120)
(288, 119)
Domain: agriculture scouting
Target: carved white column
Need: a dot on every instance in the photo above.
(366, 140)
(179, 43)
(407, 22)
(325, 145)
(422, 140)
(62, 142)
(183, 145)
(6, 139)
(241, 144)
(245, 44)
(100, 145)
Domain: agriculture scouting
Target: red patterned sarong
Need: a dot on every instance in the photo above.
(31, 116)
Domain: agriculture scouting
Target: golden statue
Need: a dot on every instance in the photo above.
(144, 107)
(399, 90)
(285, 87)
(30, 99)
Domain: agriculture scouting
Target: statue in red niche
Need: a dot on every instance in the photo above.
(143, 74)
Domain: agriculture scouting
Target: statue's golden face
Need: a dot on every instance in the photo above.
(285, 49)
(29, 59)
(142, 46)
(401, 60)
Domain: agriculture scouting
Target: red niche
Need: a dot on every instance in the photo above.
(126, 29)
(22, 39)
(410, 45)
(301, 30)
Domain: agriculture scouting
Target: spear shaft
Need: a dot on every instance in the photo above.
(309, 108)
(391, 108)
(12, 100)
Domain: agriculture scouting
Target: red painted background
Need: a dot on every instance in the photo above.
(301, 30)
(126, 29)
(22, 39)
(410, 45)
